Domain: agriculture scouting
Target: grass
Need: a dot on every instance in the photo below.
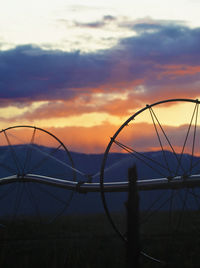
(89, 241)
(75, 241)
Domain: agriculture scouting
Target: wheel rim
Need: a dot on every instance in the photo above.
(32, 150)
(174, 143)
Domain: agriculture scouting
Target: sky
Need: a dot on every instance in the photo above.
(80, 68)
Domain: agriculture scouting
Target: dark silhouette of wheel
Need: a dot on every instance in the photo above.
(31, 151)
(163, 141)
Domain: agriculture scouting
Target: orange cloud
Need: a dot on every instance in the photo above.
(88, 140)
(138, 136)
(180, 70)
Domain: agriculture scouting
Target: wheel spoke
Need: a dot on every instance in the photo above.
(141, 157)
(185, 141)
(23, 155)
(160, 142)
(166, 218)
(13, 153)
(168, 141)
(195, 227)
(33, 201)
(29, 151)
(170, 213)
(155, 211)
(58, 199)
(194, 138)
(4, 166)
(65, 203)
(8, 191)
(18, 199)
(196, 198)
(157, 200)
(180, 219)
(170, 224)
(68, 156)
(45, 158)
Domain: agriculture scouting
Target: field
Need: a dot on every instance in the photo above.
(84, 241)
(77, 241)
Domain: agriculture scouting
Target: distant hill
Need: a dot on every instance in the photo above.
(28, 198)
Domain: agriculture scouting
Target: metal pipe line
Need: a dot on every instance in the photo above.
(84, 187)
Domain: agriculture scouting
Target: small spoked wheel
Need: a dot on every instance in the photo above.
(163, 141)
(27, 151)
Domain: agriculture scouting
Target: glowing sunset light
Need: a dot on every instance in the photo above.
(84, 120)
(16, 111)
(81, 69)
(173, 115)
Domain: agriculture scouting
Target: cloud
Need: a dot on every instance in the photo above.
(95, 139)
(80, 139)
(106, 20)
(109, 18)
(160, 60)
(113, 105)
(28, 72)
(97, 24)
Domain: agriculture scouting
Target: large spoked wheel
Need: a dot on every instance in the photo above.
(163, 141)
(32, 151)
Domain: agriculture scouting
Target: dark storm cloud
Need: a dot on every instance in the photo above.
(167, 57)
(165, 44)
(162, 57)
(29, 72)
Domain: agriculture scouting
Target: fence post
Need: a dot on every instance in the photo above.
(133, 241)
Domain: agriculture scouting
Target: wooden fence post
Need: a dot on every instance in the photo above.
(133, 241)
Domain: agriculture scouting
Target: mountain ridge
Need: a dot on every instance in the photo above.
(116, 169)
